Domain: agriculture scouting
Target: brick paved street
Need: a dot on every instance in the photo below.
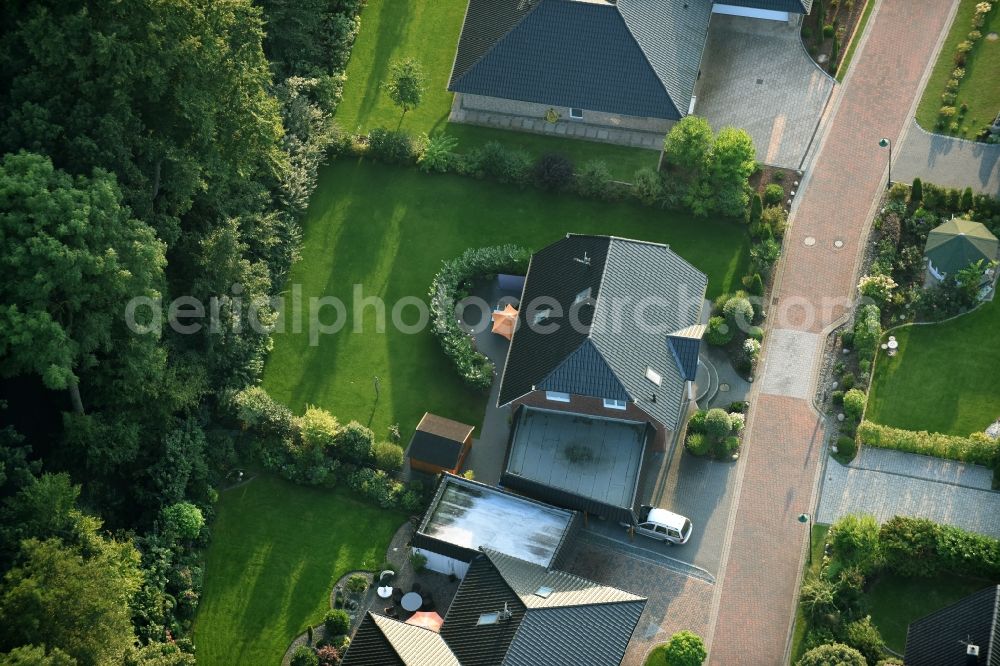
(784, 446)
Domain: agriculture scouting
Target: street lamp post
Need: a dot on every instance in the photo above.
(886, 143)
(804, 519)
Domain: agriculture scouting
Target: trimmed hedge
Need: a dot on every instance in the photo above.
(921, 548)
(450, 286)
(977, 448)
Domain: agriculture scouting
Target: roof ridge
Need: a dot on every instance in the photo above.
(491, 553)
(663, 84)
(535, 4)
(600, 288)
(993, 625)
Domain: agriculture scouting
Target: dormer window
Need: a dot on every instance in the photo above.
(542, 315)
(653, 376)
(582, 296)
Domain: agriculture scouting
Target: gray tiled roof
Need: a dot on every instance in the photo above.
(383, 641)
(636, 57)
(607, 358)
(794, 6)
(940, 639)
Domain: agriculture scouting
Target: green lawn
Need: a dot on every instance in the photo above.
(277, 549)
(896, 601)
(428, 32)
(812, 568)
(388, 229)
(979, 88)
(944, 378)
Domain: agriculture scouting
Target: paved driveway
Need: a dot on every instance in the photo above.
(947, 161)
(757, 75)
(889, 483)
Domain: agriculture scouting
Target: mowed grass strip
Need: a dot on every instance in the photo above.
(428, 32)
(943, 378)
(276, 551)
(979, 89)
(383, 232)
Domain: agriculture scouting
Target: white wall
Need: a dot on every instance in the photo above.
(441, 564)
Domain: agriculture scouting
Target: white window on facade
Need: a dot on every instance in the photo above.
(653, 376)
(615, 404)
(576, 113)
(557, 396)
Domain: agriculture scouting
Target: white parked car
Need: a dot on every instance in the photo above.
(663, 525)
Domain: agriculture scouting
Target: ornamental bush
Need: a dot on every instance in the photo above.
(318, 429)
(718, 333)
(977, 448)
(390, 146)
(697, 421)
(685, 648)
(552, 172)
(864, 637)
(867, 331)
(304, 656)
(919, 547)
(493, 159)
(354, 442)
(855, 542)
(388, 456)
(846, 446)
(739, 313)
(438, 155)
(594, 180)
(773, 194)
(648, 186)
(854, 404)
(182, 520)
(717, 423)
(833, 654)
(775, 218)
(698, 444)
(336, 622)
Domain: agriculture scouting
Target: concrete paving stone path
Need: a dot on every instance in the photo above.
(947, 161)
(757, 75)
(925, 492)
(784, 446)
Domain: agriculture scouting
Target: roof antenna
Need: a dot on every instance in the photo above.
(585, 261)
(505, 614)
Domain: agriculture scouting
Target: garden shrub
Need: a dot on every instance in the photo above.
(754, 284)
(817, 636)
(493, 159)
(438, 155)
(775, 219)
(920, 547)
(730, 445)
(328, 655)
(388, 456)
(318, 429)
(304, 656)
(847, 381)
(739, 313)
(685, 648)
(738, 420)
(718, 333)
(256, 410)
(182, 520)
(864, 637)
(648, 186)
(855, 542)
(390, 146)
(817, 598)
(697, 421)
(751, 352)
(698, 443)
(917, 191)
(552, 172)
(867, 331)
(336, 622)
(474, 368)
(847, 338)
(877, 287)
(763, 255)
(837, 397)
(418, 561)
(832, 654)
(773, 194)
(854, 404)
(977, 448)
(828, 31)
(756, 333)
(354, 442)
(847, 446)
(594, 180)
(717, 423)
(755, 211)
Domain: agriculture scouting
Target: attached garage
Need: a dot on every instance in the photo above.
(769, 10)
(466, 515)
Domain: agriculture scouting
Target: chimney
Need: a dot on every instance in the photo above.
(972, 655)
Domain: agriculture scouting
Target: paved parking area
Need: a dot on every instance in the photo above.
(757, 75)
(947, 161)
(888, 483)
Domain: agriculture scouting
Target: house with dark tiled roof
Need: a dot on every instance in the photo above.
(510, 612)
(623, 64)
(965, 633)
(600, 369)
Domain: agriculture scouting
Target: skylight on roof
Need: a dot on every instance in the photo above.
(543, 592)
(542, 315)
(653, 376)
(488, 618)
(582, 296)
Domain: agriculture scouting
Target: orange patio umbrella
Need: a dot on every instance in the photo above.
(427, 620)
(505, 321)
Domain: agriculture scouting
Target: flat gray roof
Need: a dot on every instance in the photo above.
(589, 456)
(472, 515)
